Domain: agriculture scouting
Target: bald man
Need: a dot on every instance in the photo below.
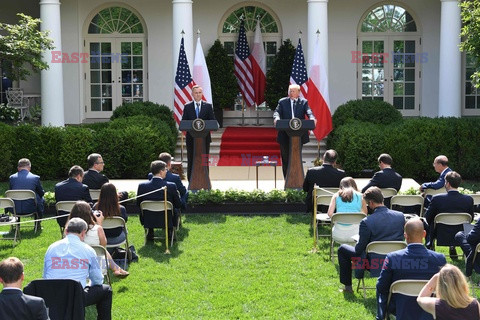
(414, 262)
(440, 164)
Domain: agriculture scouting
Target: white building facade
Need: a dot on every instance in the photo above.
(109, 52)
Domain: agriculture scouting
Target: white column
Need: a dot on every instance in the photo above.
(318, 20)
(182, 20)
(450, 73)
(52, 78)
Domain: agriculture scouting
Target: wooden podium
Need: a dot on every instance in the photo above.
(295, 128)
(199, 129)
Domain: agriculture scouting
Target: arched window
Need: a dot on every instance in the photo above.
(389, 18)
(115, 20)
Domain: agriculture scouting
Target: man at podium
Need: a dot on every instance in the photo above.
(193, 110)
(290, 107)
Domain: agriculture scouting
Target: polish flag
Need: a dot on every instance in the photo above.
(318, 99)
(259, 66)
(201, 76)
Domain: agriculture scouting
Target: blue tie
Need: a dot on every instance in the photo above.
(197, 109)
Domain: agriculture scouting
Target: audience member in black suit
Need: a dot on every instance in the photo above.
(440, 164)
(415, 262)
(205, 112)
(382, 225)
(172, 177)
(73, 189)
(452, 201)
(94, 179)
(468, 243)
(291, 107)
(13, 303)
(325, 175)
(159, 171)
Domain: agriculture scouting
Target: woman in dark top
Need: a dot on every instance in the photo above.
(452, 299)
(108, 204)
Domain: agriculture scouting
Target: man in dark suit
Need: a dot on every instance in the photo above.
(159, 171)
(440, 164)
(325, 175)
(193, 110)
(415, 262)
(172, 177)
(290, 107)
(25, 180)
(13, 303)
(468, 243)
(382, 225)
(73, 189)
(452, 201)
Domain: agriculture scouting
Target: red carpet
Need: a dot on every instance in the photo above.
(243, 146)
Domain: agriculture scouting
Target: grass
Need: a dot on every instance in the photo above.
(223, 267)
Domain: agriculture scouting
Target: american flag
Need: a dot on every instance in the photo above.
(299, 71)
(183, 84)
(243, 67)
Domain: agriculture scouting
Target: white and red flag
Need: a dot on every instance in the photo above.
(201, 76)
(259, 66)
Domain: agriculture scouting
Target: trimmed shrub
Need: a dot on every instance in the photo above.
(147, 108)
(374, 111)
(78, 143)
(7, 162)
(468, 156)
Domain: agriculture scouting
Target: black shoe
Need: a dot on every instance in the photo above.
(150, 234)
(453, 253)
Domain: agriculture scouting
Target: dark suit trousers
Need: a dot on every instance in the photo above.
(190, 157)
(101, 296)
(345, 255)
(461, 240)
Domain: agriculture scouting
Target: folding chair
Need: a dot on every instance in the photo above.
(476, 202)
(153, 215)
(325, 191)
(94, 194)
(381, 248)
(22, 195)
(433, 192)
(102, 258)
(449, 219)
(322, 219)
(407, 201)
(7, 203)
(63, 207)
(409, 288)
(113, 223)
(345, 218)
(15, 100)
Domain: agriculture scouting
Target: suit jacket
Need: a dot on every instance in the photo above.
(94, 179)
(452, 201)
(324, 176)
(284, 111)
(206, 113)
(473, 238)
(416, 263)
(437, 184)
(27, 181)
(157, 183)
(72, 190)
(175, 178)
(16, 305)
(386, 178)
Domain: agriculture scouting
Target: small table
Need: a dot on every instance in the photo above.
(266, 163)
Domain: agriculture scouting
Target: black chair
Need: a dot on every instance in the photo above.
(65, 298)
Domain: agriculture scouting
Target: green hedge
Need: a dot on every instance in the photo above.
(7, 138)
(413, 145)
(374, 111)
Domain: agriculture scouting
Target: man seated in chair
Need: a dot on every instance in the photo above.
(415, 262)
(71, 258)
(450, 202)
(73, 189)
(468, 242)
(172, 177)
(25, 180)
(440, 164)
(13, 303)
(158, 169)
(382, 225)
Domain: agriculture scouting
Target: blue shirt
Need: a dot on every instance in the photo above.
(71, 258)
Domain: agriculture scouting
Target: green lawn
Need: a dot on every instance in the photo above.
(223, 267)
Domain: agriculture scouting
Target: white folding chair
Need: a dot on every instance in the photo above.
(63, 207)
(407, 201)
(450, 219)
(15, 100)
(94, 194)
(380, 248)
(7, 203)
(344, 218)
(113, 223)
(102, 258)
(476, 202)
(406, 287)
(433, 192)
(22, 195)
(321, 219)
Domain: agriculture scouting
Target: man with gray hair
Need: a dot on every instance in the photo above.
(71, 258)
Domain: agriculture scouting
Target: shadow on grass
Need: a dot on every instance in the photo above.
(204, 218)
(156, 249)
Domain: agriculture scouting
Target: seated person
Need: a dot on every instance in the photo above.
(468, 243)
(108, 204)
(452, 201)
(159, 171)
(382, 225)
(14, 305)
(440, 164)
(71, 258)
(347, 199)
(73, 189)
(25, 180)
(415, 262)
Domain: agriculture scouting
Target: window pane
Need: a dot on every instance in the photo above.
(398, 89)
(95, 104)
(410, 74)
(115, 19)
(126, 47)
(106, 104)
(410, 89)
(126, 90)
(137, 48)
(95, 91)
(387, 18)
(137, 76)
(107, 90)
(95, 76)
(106, 76)
(137, 62)
(398, 102)
(366, 89)
(367, 47)
(126, 63)
(409, 103)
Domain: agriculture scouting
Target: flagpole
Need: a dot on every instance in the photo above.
(181, 133)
